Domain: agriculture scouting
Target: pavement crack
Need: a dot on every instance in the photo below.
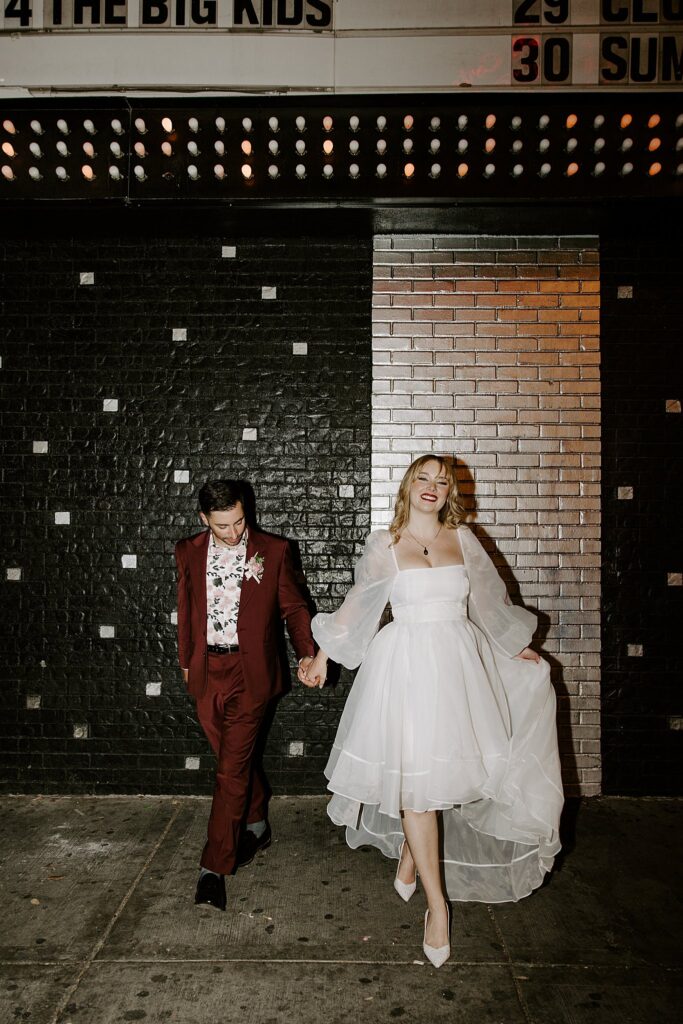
(511, 966)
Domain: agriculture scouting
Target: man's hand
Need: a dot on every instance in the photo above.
(314, 670)
(302, 674)
(528, 655)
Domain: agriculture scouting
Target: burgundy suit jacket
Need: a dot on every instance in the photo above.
(262, 605)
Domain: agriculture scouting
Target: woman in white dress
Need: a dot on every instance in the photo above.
(451, 712)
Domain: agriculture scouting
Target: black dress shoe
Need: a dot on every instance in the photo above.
(250, 844)
(211, 892)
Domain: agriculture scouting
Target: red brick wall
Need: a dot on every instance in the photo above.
(489, 348)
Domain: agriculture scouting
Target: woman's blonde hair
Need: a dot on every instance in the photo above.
(453, 512)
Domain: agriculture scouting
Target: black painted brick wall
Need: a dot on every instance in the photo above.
(642, 367)
(182, 405)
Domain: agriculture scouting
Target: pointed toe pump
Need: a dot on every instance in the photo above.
(404, 889)
(437, 955)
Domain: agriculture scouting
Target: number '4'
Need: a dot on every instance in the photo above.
(20, 9)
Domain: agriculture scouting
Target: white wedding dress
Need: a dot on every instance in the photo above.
(442, 716)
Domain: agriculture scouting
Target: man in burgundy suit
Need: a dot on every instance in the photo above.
(235, 584)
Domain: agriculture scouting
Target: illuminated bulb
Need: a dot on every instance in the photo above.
(300, 147)
(115, 148)
(193, 148)
(409, 170)
(679, 145)
(626, 145)
(679, 170)
(543, 122)
(328, 170)
(571, 145)
(654, 169)
(408, 122)
(354, 123)
(62, 149)
(7, 172)
(517, 170)
(87, 172)
(490, 121)
(462, 145)
(328, 146)
(435, 170)
(544, 146)
(653, 121)
(246, 147)
(140, 150)
(435, 124)
(462, 123)
(517, 146)
(679, 121)
(89, 126)
(8, 149)
(407, 145)
(37, 127)
(489, 145)
(192, 172)
(489, 170)
(34, 174)
(273, 172)
(116, 126)
(571, 122)
(516, 123)
(300, 170)
(381, 170)
(654, 144)
(139, 172)
(167, 148)
(273, 147)
(61, 173)
(9, 128)
(572, 169)
(381, 146)
(89, 149)
(462, 170)
(247, 124)
(434, 146)
(114, 173)
(354, 147)
(220, 124)
(626, 169)
(219, 171)
(598, 121)
(381, 123)
(301, 125)
(626, 120)
(167, 124)
(219, 147)
(354, 170)
(544, 170)
(193, 124)
(273, 124)
(598, 145)
(140, 125)
(36, 150)
(599, 169)
(328, 123)
(63, 126)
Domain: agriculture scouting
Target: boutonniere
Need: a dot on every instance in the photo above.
(253, 570)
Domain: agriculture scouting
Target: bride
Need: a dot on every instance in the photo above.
(451, 714)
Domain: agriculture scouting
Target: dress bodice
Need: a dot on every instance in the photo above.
(430, 595)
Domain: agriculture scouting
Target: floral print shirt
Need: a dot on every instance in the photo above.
(224, 575)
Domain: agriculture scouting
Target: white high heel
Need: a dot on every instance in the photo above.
(438, 956)
(404, 889)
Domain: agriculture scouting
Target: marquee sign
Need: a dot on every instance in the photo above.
(349, 45)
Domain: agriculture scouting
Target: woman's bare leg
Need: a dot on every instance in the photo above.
(422, 837)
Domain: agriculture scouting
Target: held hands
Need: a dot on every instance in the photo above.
(313, 671)
(528, 655)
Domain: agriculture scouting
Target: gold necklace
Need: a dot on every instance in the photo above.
(425, 549)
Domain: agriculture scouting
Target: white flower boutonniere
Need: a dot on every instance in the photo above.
(253, 570)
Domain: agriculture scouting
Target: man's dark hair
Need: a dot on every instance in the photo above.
(217, 495)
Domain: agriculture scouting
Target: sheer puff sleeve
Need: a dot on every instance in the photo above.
(345, 635)
(507, 626)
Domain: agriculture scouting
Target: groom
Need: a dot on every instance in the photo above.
(235, 584)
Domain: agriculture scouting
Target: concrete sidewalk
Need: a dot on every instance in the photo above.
(99, 924)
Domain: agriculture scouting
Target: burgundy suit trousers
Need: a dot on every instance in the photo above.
(231, 722)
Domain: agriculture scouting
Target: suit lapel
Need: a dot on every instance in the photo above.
(250, 586)
(199, 567)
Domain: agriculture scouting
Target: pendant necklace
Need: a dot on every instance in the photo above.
(425, 549)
